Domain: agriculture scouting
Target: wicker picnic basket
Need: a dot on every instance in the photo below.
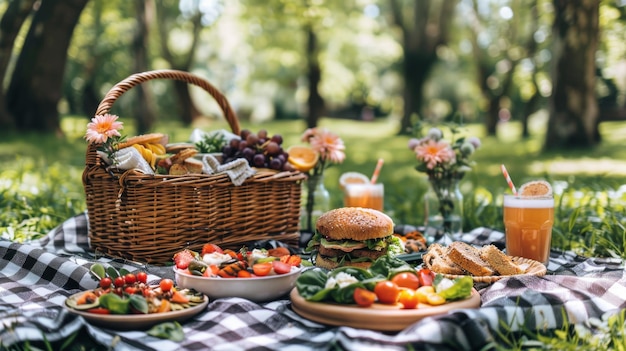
(148, 218)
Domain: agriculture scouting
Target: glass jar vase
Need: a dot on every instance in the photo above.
(315, 202)
(443, 206)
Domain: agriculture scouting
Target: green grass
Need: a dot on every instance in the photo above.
(41, 186)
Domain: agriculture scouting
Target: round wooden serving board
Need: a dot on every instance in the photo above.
(378, 317)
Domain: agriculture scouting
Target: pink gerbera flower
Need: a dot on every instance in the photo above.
(328, 145)
(435, 152)
(103, 127)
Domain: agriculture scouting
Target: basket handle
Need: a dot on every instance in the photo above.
(138, 78)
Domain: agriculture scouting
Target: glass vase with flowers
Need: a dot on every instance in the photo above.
(445, 163)
(325, 149)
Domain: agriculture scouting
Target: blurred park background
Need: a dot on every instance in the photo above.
(542, 83)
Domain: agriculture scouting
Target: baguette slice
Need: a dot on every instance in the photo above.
(437, 261)
(500, 262)
(468, 257)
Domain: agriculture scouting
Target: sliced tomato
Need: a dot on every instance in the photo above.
(281, 267)
(211, 248)
(179, 297)
(99, 310)
(364, 297)
(426, 277)
(182, 259)
(262, 269)
(293, 260)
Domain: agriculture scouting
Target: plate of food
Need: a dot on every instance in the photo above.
(257, 275)
(387, 296)
(136, 305)
(486, 264)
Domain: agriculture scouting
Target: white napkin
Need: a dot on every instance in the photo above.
(238, 170)
(128, 158)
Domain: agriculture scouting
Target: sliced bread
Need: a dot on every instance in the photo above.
(437, 261)
(500, 262)
(468, 257)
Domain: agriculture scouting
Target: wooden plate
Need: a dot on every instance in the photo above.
(377, 317)
(531, 267)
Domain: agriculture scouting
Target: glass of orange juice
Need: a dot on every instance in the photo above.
(528, 224)
(366, 195)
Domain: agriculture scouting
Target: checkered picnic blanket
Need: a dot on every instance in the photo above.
(37, 277)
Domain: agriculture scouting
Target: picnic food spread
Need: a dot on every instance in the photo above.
(352, 236)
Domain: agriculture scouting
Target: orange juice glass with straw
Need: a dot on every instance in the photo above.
(361, 192)
(528, 220)
(366, 195)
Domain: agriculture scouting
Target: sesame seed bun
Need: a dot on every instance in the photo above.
(354, 223)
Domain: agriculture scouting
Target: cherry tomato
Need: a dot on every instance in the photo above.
(281, 267)
(119, 282)
(387, 291)
(406, 280)
(408, 298)
(130, 290)
(364, 297)
(130, 278)
(426, 277)
(142, 277)
(105, 283)
(211, 248)
(166, 285)
(262, 269)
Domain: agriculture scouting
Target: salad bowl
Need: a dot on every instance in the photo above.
(257, 289)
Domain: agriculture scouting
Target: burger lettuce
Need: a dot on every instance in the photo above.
(392, 243)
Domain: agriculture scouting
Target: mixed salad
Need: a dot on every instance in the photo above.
(389, 280)
(213, 261)
(122, 292)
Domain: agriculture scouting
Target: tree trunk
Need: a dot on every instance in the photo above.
(188, 109)
(10, 25)
(573, 105)
(423, 32)
(144, 110)
(315, 101)
(90, 98)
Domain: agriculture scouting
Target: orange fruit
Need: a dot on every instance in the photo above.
(536, 188)
(303, 158)
(352, 178)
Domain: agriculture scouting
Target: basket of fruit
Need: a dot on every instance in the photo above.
(147, 217)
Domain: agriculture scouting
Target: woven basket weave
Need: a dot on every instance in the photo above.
(148, 218)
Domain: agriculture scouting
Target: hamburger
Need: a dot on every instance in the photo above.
(352, 236)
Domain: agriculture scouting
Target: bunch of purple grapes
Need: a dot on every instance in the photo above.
(259, 149)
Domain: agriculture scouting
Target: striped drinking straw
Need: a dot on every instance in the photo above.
(508, 179)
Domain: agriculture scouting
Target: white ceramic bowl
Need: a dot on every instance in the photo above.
(257, 289)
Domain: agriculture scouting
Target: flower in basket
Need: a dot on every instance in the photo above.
(326, 149)
(105, 130)
(444, 161)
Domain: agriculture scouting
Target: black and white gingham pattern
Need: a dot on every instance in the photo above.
(35, 279)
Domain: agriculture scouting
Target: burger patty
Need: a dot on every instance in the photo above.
(354, 253)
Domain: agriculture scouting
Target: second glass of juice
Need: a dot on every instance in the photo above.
(528, 226)
(364, 195)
